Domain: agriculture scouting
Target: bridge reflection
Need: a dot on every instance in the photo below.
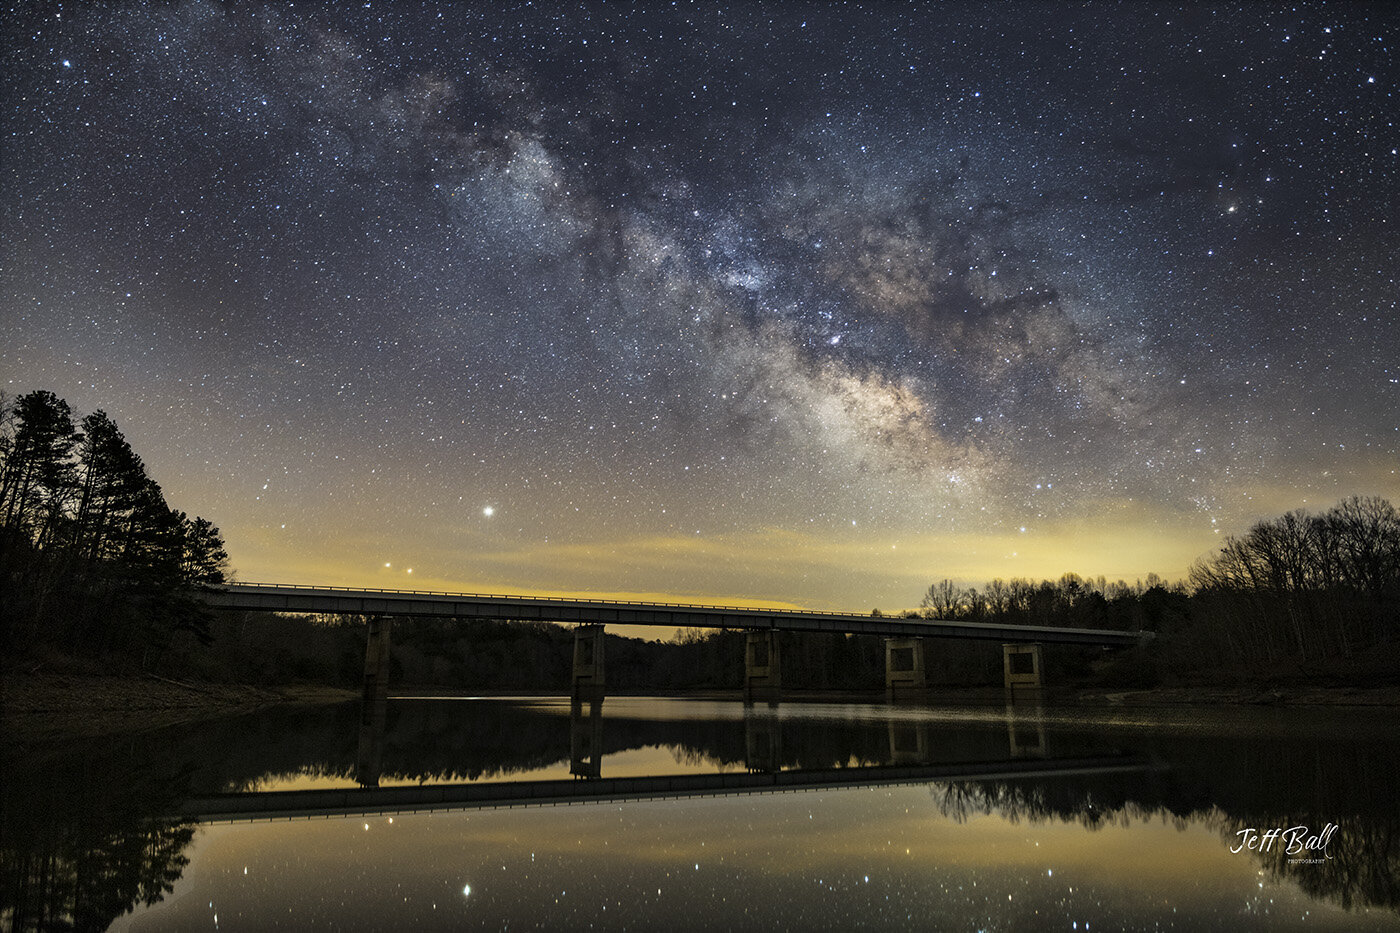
(912, 759)
(391, 800)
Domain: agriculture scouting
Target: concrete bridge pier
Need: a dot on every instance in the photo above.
(906, 676)
(586, 737)
(763, 667)
(373, 703)
(1022, 667)
(589, 681)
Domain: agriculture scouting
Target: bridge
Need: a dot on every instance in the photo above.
(905, 668)
(346, 801)
(267, 597)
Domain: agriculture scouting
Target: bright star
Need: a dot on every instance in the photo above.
(488, 511)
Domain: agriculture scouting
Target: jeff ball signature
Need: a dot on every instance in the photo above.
(1295, 841)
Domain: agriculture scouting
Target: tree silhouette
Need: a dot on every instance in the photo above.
(98, 560)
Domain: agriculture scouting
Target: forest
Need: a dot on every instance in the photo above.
(99, 570)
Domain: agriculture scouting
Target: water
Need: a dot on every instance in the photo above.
(689, 814)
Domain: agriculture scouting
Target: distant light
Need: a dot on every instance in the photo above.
(489, 511)
(409, 570)
(466, 890)
(386, 563)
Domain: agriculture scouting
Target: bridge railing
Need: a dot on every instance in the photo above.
(771, 617)
(570, 600)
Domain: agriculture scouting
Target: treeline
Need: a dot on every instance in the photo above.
(1071, 601)
(1298, 593)
(1304, 586)
(94, 561)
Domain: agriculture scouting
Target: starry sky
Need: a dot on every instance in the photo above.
(810, 304)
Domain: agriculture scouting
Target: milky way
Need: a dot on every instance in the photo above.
(791, 302)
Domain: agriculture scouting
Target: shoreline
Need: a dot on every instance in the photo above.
(38, 706)
(35, 706)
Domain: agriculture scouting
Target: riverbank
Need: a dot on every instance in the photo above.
(1300, 695)
(33, 706)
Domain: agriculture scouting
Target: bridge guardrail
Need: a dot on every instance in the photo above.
(1115, 634)
(568, 599)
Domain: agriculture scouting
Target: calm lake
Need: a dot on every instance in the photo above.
(647, 813)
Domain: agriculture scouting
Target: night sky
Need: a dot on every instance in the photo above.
(806, 303)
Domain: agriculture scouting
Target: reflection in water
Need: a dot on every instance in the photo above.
(909, 743)
(86, 835)
(369, 756)
(1025, 730)
(88, 876)
(763, 738)
(1360, 866)
(83, 839)
(586, 736)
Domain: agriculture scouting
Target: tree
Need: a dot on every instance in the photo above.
(1364, 534)
(941, 599)
(203, 559)
(37, 475)
(111, 478)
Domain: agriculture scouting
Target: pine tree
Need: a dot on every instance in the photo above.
(37, 476)
(204, 559)
(110, 479)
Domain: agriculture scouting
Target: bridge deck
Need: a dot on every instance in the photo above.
(467, 606)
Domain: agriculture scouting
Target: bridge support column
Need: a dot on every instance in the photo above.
(589, 681)
(763, 667)
(905, 673)
(377, 660)
(373, 703)
(1021, 664)
(586, 737)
